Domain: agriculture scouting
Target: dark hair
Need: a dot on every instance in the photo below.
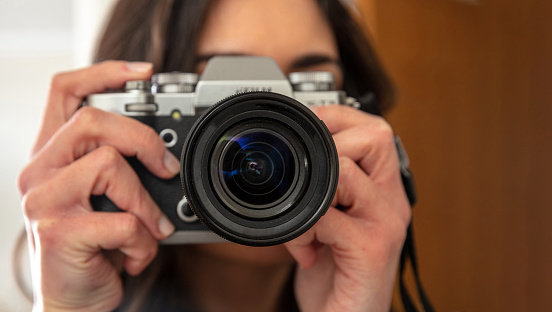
(166, 33)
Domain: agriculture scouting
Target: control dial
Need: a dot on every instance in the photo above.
(312, 81)
(138, 85)
(174, 82)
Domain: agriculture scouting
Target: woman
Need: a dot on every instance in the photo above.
(346, 262)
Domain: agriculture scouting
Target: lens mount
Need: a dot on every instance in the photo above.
(259, 168)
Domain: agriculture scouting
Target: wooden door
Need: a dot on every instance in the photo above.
(474, 110)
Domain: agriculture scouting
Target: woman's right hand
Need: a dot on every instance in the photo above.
(79, 153)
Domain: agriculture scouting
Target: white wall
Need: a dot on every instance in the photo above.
(37, 39)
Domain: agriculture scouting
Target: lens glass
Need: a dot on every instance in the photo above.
(257, 167)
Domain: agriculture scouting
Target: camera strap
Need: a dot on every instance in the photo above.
(408, 252)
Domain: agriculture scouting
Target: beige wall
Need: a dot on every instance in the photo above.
(475, 113)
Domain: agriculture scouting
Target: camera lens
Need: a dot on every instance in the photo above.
(256, 167)
(259, 168)
(255, 170)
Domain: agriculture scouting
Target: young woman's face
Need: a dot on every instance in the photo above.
(296, 34)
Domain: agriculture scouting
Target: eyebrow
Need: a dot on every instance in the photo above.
(313, 60)
(307, 60)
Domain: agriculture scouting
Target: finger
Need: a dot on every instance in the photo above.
(373, 149)
(361, 197)
(87, 234)
(91, 128)
(362, 204)
(128, 235)
(335, 228)
(103, 171)
(68, 89)
(365, 138)
(340, 117)
(356, 193)
(350, 239)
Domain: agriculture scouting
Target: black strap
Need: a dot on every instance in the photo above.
(409, 251)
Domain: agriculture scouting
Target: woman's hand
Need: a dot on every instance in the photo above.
(79, 153)
(348, 260)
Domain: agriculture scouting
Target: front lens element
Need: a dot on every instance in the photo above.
(257, 167)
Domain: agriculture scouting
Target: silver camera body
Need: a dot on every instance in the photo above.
(172, 103)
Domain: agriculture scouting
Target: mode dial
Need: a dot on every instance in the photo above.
(174, 82)
(312, 81)
(137, 85)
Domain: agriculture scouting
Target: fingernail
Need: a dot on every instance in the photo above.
(171, 162)
(165, 226)
(140, 67)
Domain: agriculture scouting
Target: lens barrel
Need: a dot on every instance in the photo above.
(259, 168)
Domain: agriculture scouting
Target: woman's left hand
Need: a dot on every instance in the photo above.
(349, 258)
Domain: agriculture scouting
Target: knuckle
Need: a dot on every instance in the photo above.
(347, 169)
(30, 203)
(59, 81)
(383, 128)
(130, 225)
(85, 121)
(148, 136)
(86, 117)
(346, 164)
(108, 157)
(148, 253)
(24, 179)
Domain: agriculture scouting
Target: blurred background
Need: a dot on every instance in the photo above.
(37, 39)
(474, 111)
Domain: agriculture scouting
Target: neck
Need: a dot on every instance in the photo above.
(220, 284)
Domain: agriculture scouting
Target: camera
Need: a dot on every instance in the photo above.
(257, 166)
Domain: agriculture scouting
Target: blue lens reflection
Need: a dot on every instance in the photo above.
(257, 167)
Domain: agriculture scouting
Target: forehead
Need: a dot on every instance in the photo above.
(281, 29)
